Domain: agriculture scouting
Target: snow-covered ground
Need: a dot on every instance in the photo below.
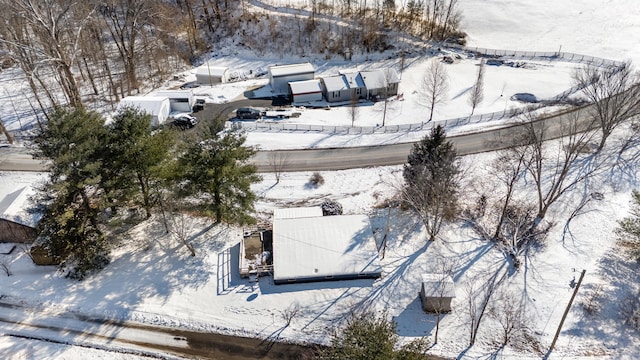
(153, 280)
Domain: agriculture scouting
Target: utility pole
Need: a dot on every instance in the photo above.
(566, 312)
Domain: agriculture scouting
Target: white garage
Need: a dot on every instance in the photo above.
(281, 75)
(209, 75)
(306, 91)
(158, 107)
(180, 100)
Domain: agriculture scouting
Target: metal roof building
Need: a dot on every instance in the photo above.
(281, 75)
(323, 248)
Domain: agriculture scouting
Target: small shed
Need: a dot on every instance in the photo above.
(336, 88)
(158, 107)
(381, 82)
(306, 91)
(436, 293)
(209, 75)
(179, 100)
(281, 75)
(17, 218)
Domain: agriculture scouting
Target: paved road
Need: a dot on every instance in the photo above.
(342, 158)
(19, 322)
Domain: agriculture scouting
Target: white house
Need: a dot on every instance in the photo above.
(209, 75)
(281, 75)
(179, 100)
(158, 107)
(381, 82)
(320, 248)
(306, 91)
(336, 88)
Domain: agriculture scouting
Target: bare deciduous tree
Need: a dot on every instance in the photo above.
(354, 110)
(477, 90)
(6, 133)
(435, 85)
(614, 93)
(278, 161)
(479, 294)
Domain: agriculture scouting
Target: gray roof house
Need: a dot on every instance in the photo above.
(381, 82)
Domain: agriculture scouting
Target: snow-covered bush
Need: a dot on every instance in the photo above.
(316, 179)
(331, 207)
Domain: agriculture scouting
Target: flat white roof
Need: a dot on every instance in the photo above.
(15, 207)
(324, 248)
(291, 69)
(438, 285)
(335, 83)
(305, 87)
(151, 104)
(211, 70)
(175, 94)
(299, 212)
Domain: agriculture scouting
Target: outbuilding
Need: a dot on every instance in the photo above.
(281, 75)
(305, 91)
(381, 82)
(158, 107)
(436, 293)
(210, 75)
(17, 218)
(322, 248)
(179, 100)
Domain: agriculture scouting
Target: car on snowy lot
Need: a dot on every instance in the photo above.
(524, 97)
(248, 113)
(184, 122)
(199, 105)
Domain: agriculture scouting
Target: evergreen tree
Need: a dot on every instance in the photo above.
(73, 141)
(371, 336)
(628, 230)
(217, 171)
(432, 180)
(136, 160)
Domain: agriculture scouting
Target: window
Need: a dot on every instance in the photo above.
(336, 94)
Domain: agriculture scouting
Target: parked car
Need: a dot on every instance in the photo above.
(185, 121)
(248, 113)
(199, 105)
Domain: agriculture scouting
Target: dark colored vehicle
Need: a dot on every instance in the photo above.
(184, 122)
(248, 113)
(199, 105)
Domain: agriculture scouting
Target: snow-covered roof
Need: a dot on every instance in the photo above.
(175, 94)
(335, 83)
(380, 78)
(153, 105)
(298, 212)
(324, 248)
(305, 87)
(438, 285)
(15, 207)
(353, 78)
(217, 71)
(291, 69)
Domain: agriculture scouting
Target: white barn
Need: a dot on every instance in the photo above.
(306, 91)
(209, 75)
(281, 75)
(179, 100)
(158, 107)
(321, 248)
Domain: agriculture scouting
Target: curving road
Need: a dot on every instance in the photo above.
(12, 159)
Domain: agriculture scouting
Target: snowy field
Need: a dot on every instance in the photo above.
(153, 280)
